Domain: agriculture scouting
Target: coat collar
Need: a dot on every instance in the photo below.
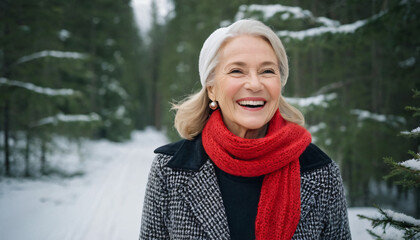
(190, 155)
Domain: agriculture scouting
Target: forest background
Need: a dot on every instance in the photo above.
(81, 69)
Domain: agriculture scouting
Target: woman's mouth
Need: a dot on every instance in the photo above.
(254, 104)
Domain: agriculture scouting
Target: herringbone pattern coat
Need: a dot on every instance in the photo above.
(183, 199)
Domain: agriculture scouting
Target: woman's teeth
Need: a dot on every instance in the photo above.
(251, 103)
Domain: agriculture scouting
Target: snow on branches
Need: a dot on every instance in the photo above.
(412, 133)
(319, 100)
(37, 89)
(313, 32)
(407, 226)
(287, 12)
(327, 25)
(390, 119)
(67, 118)
(51, 53)
(407, 174)
(413, 164)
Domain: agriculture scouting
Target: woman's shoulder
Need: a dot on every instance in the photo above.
(317, 166)
(313, 158)
(184, 154)
(170, 148)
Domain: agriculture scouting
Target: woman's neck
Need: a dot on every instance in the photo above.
(250, 133)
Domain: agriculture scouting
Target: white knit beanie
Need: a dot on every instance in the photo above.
(208, 52)
(244, 26)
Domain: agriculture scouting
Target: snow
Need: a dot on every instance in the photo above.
(52, 53)
(328, 25)
(37, 89)
(64, 34)
(400, 217)
(319, 100)
(67, 118)
(414, 131)
(316, 128)
(313, 32)
(182, 67)
(358, 226)
(409, 62)
(363, 115)
(103, 203)
(120, 112)
(347, 28)
(114, 86)
(269, 11)
(413, 164)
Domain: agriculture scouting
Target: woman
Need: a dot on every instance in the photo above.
(246, 168)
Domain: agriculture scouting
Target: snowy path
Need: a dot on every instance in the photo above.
(104, 204)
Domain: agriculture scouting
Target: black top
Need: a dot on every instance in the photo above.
(240, 197)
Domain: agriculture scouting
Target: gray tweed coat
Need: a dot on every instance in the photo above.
(183, 199)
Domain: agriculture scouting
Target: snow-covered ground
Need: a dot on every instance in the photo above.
(104, 203)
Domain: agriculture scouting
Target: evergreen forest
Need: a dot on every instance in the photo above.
(81, 70)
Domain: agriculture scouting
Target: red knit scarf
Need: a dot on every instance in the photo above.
(276, 156)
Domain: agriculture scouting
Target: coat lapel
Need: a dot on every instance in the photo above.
(203, 195)
(308, 194)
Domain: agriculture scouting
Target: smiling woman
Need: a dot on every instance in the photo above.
(248, 85)
(246, 168)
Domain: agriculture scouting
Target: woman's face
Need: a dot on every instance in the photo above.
(247, 85)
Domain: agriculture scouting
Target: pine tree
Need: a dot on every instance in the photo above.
(66, 71)
(407, 174)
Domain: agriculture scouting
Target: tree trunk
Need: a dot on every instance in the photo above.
(417, 201)
(94, 78)
(157, 111)
(27, 151)
(6, 138)
(43, 157)
(6, 73)
(295, 69)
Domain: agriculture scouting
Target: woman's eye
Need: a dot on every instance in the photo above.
(270, 71)
(235, 71)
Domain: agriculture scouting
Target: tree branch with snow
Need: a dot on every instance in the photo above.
(37, 89)
(54, 120)
(286, 12)
(327, 25)
(409, 225)
(51, 53)
(363, 115)
(407, 172)
(408, 176)
(413, 133)
(318, 31)
(319, 100)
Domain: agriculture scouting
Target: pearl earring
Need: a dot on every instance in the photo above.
(213, 105)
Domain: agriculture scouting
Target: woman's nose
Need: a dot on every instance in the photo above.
(254, 82)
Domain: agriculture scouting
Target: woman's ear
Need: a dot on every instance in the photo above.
(211, 93)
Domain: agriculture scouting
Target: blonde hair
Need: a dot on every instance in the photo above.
(192, 112)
